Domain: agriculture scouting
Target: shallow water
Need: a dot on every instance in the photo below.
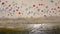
(29, 32)
(33, 29)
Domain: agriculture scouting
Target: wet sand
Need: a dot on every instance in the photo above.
(14, 26)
